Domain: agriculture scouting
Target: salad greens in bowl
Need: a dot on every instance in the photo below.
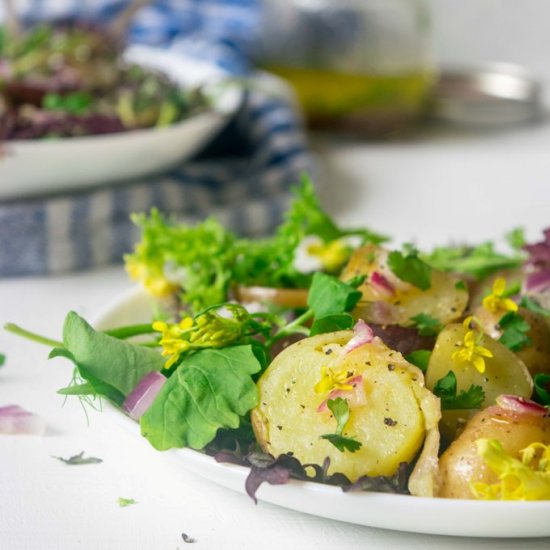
(327, 356)
(71, 93)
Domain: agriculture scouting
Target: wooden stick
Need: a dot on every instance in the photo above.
(118, 26)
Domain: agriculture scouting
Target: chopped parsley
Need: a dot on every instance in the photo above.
(542, 388)
(340, 409)
(426, 324)
(123, 502)
(420, 358)
(514, 331)
(410, 268)
(79, 459)
(534, 306)
(446, 389)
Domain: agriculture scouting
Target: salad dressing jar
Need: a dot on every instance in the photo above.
(355, 65)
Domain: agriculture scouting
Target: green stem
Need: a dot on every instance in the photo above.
(292, 327)
(129, 331)
(15, 329)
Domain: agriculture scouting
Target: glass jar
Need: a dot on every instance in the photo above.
(356, 65)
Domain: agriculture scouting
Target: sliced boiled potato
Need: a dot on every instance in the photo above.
(387, 300)
(504, 373)
(386, 406)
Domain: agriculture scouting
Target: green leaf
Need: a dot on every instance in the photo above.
(446, 389)
(114, 367)
(426, 324)
(516, 238)
(515, 329)
(211, 389)
(410, 268)
(330, 296)
(332, 323)
(479, 261)
(2, 359)
(420, 358)
(461, 285)
(340, 409)
(79, 460)
(542, 388)
(532, 305)
(343, 443)
(123, 502)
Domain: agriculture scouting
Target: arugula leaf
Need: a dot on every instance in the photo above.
(446, 389)
(78, 460)
(410, 268)
(340, 409)
(420, 358)
(479, 261)
(532, 305)
(211, 389)
(515, 329)
(426, 324)
(542, 388)
(330, 296)
(113, 367)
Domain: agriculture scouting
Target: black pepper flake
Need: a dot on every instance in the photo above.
(279, 427)
(390, 421)
(391, 367)
(303, 406)
(287, 390)
(328, 351)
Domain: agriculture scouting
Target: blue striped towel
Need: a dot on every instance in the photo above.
(243, 177)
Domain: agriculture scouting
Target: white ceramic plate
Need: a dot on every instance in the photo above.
(31, 167)
(397, 512)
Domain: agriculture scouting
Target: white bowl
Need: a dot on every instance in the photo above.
(40, 167)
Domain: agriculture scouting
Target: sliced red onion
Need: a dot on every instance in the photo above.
(143, 395)
(538, 282)
(518, 404)
(381, 283)
(355, 397)
(362, 334)
(16, 420)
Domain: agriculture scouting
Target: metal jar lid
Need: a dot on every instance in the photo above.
(495, 95)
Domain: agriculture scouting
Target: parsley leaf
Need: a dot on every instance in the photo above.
(2, 359)
(426, 324)
(542, 388)
(515, 329)
(330, 296)
(419, 358)
(534, 306)
(123, 502)
(410, 268)
(79, 459)
(446, 389)
(479, 261)
(516, 238)
(343, 443)
(340, 409)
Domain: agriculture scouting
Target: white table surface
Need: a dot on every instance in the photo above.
(471, 186)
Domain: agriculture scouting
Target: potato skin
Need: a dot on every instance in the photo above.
(460, 464)
(390, 423)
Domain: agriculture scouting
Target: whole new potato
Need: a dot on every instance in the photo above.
(514, 422)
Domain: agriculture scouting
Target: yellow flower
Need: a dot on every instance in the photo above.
(471, 351)
(332, 380)
(496, 302)
(332, 255)
(155, 283)
(173, 345)
(525, 479)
